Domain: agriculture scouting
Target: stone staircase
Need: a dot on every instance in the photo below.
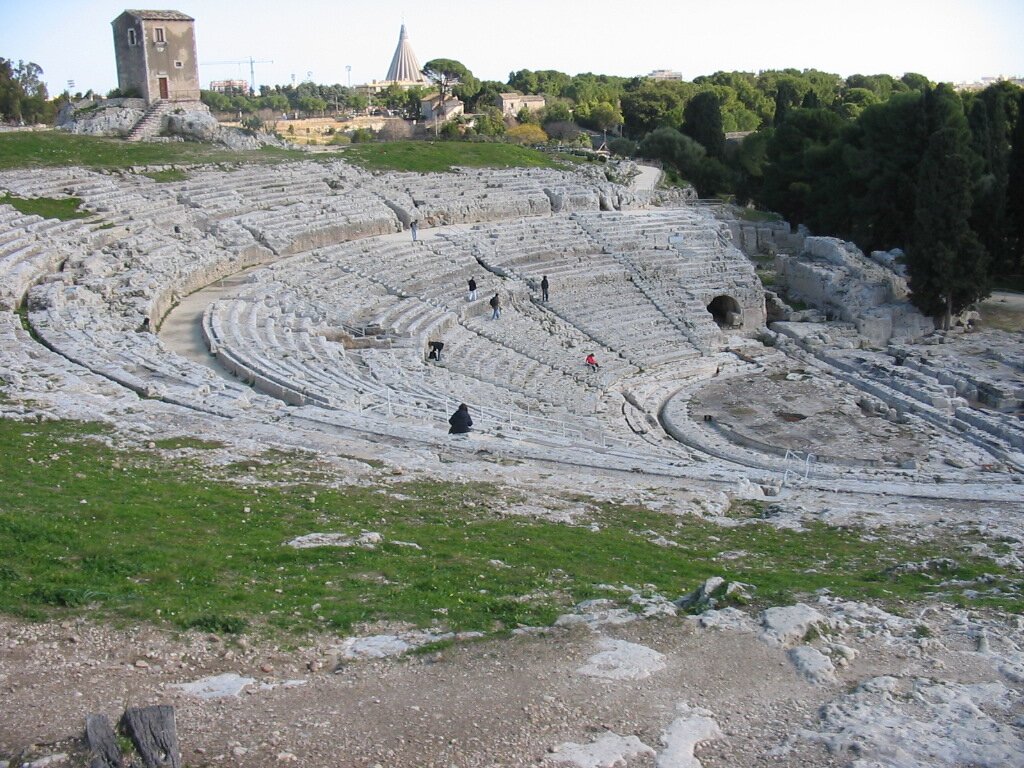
(149, 124)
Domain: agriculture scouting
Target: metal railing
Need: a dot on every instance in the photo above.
(806, 459)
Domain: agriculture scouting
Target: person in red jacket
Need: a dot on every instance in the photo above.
(592, 362)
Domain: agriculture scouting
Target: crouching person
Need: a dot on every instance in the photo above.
(460, 421)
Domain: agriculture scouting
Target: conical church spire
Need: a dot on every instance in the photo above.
(405, 68)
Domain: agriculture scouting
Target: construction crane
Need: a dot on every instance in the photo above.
(252, 69)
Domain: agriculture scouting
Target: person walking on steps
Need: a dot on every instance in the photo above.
(495, 303)
(544, 285)
(415, 229)
(460, 421)
(472, 290)
(592, 362)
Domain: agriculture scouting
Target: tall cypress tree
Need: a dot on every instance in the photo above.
(1015, 195)
(946, 261)
(702, 120)
(989, 120)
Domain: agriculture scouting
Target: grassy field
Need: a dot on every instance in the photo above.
(440, 156)
(52, 149)
(44, 149)
(149, 535)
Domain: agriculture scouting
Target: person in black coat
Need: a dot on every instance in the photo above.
(460, 421)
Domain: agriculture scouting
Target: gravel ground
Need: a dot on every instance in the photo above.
(497, 702)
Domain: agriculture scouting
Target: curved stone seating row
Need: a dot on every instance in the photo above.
(286, 357)
(913, 395)
(92, 312)
(535, 240)
(528, 330)
(136, 361)
(300, 227)
(219, 194)
(27, 252)
(547, 338)
(314, 283)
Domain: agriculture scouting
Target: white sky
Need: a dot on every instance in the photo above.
(945, 40)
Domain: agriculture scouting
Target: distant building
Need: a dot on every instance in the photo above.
(156, 55)
(404, 71)
(665, 74)
(985, 82)
(230, 86)
(432, 109)
(511, 104)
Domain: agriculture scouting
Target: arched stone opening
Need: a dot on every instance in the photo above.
(726, 311)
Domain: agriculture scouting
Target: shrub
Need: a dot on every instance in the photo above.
(526, 134)
(362, 134)
(622, 147)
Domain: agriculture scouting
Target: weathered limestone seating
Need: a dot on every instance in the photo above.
(530, 246)
(27, 365)
(120, 198)
(1000, 352)
(300, 227)
(279, 355)
(683, 259)
(547, 338)
(835, 275)
(23, 255)
(473, 195)
(312, 284)
(285, 356)
(438, 199)
(594, 293)
(250, 188)
(908, 390)
(766, 237)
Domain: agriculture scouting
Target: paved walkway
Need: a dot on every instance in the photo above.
(647, 180)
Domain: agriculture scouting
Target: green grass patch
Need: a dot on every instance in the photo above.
(64, 208)
(167, 175)
(752, 214)
(193, 443)
(442, 156)
(129, 536)
(46, 149)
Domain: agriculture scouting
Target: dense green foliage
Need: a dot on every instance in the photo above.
(155, 536)
(928, 170)
(23, 97)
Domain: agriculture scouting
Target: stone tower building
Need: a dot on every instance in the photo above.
(156, 55)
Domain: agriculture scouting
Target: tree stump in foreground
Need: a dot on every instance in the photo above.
(154, 734)
(103, 749)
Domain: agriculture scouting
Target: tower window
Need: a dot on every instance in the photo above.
(132, 38)
(158, 35)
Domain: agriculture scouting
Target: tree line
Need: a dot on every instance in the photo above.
(23, 96)
(881, 161)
